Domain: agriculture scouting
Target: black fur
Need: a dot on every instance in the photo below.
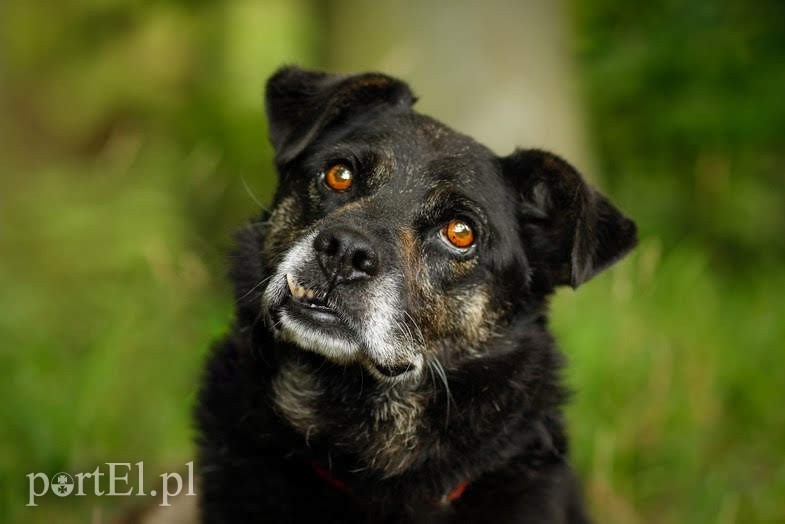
(270, 414)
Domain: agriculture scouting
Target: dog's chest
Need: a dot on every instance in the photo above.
(385, 435)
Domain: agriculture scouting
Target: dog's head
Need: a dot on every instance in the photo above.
(393, 239)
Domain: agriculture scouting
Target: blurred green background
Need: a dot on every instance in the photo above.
(133, 142)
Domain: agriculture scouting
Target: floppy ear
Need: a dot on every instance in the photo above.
(570, 231)
(301, 104)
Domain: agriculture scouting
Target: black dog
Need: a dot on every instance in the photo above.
(391, 360)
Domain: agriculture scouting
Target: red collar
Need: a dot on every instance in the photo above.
(334, 482)
(451, 496)
(454, 494)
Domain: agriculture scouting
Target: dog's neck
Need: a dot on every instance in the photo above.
(379, 423)
(411, 428)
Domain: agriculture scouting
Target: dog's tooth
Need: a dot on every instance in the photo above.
(290, 283)
(295, 289)
(309, 293)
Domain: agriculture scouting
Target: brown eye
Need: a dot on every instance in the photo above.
(458, 233)
(338, 177)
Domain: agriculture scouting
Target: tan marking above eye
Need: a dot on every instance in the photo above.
(338, 177)
(458, 233)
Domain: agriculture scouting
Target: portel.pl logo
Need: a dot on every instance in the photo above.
(117, 481)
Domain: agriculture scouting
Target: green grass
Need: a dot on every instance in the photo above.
(107, 311)
(675, 371)
(676, 353)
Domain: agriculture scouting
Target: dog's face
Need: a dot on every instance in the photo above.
(394, 240)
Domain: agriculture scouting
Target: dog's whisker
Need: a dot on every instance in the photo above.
(430, 372)
(406, 332)
(262, 282)
(421, 337)
(362, 384)
(443, 376)
(308, 435)
(252, 195)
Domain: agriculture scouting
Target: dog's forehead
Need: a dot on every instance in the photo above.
(437, 148)
(420, 157)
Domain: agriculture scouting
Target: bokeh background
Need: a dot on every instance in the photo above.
(133, 142)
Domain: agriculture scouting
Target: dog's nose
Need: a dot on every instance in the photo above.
(345, 255)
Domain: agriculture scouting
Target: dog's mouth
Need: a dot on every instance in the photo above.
(319, 318)
(311, 303)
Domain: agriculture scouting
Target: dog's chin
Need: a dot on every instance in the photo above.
(335, 343)
(399, 373)
(324, 333)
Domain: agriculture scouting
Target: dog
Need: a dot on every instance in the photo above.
(390, 359)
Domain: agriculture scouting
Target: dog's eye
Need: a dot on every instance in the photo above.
(338, 177)
(458, 233)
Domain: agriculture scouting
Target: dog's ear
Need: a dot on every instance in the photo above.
(301, 104)
(570, 231)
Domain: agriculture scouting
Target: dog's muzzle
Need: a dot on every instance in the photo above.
(331, 296)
